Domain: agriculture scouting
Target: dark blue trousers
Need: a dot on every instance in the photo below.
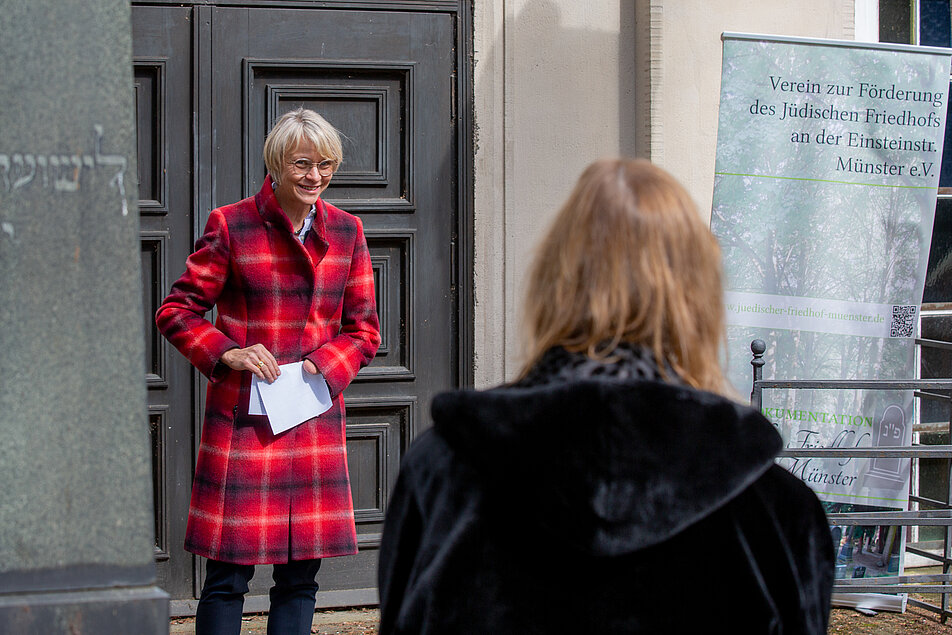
(223, 596)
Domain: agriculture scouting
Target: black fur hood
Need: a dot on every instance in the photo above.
(606, 465)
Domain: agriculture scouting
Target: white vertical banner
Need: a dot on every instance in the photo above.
(828, 157)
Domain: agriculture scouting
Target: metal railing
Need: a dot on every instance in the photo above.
(937, 513)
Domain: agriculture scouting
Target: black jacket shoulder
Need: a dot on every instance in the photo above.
(585, 507)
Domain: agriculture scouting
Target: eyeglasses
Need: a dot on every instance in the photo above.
(303, 166)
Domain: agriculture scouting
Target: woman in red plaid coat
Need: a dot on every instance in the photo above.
(292, 280)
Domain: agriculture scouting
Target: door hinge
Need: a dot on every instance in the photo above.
(453, 272)
(453, 98)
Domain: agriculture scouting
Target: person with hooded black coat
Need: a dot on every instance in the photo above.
(609, 489)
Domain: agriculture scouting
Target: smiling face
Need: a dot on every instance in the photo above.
(297, 191)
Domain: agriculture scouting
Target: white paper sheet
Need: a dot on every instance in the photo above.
(293, 398)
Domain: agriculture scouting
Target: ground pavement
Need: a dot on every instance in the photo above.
(346, 622)
(914, 621)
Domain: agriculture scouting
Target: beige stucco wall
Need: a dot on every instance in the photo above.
(559, 83)
(689, 45)
(554, 90)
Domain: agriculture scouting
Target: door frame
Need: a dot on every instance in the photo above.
(462, 249)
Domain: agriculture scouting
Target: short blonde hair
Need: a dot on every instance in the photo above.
(297, 127)
(628, 259)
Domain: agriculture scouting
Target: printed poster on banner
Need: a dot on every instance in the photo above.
(827, 169)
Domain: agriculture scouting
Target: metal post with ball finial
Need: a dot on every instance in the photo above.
(757, 347)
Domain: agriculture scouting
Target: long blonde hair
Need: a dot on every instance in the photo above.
(628, 259)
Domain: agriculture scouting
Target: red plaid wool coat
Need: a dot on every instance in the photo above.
(259, 498)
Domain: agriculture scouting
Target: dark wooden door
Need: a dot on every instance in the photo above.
(162, 63)
(387, 81)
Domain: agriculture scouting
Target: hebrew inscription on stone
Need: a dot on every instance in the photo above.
(62, 172)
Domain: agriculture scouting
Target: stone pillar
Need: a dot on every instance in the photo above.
(76, 527)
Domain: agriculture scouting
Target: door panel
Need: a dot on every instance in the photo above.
(162, 41)
(385, 80)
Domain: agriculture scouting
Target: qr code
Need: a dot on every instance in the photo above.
(903, 320)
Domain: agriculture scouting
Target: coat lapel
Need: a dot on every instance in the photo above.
(281, 234)
(316, 240)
